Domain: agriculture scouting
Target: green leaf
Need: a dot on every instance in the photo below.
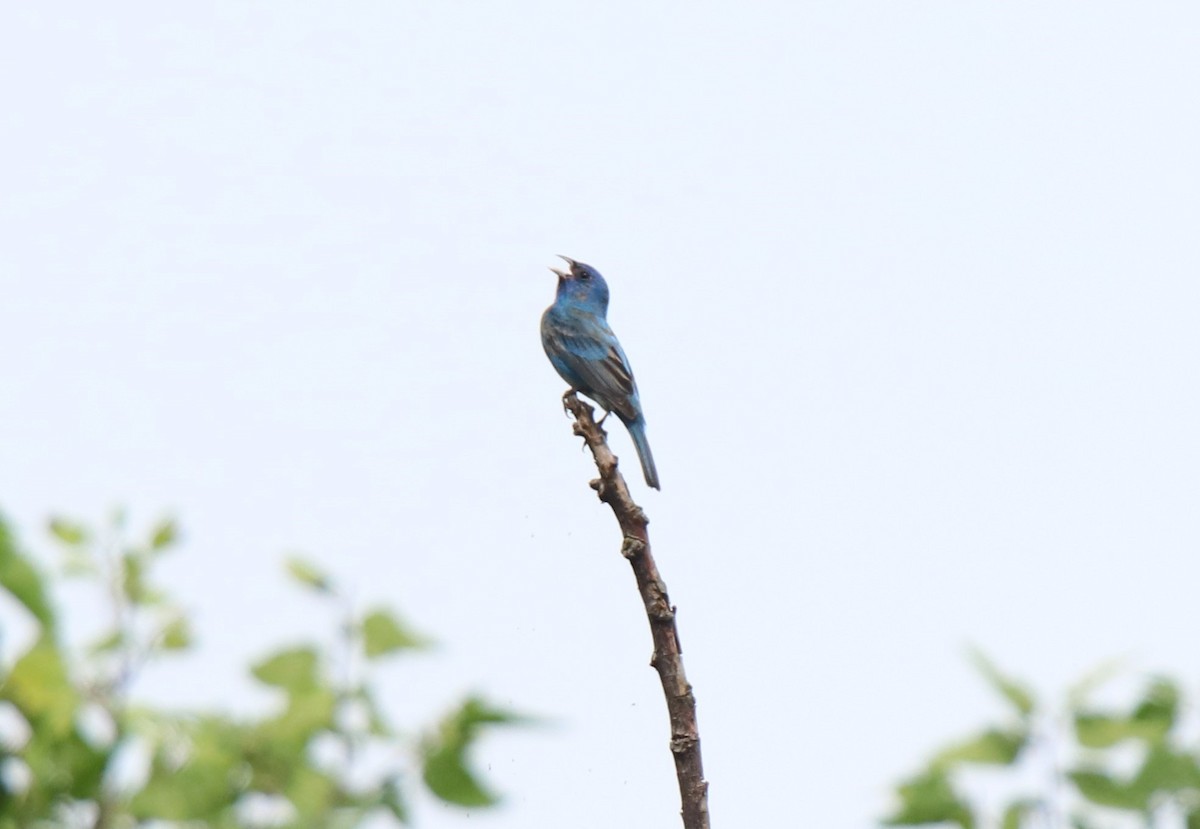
(208, 781)
(309, 712)
(276, 749)
(107, 643)
(64, 765)
(311, 792)
(133, 581)
(308, 574)
(392, 798)
(1078, 693)
(1151, 720)
(1017, 811)
(1158, 709)
(78, 561)
(165, 533)
(71, 533)
(476, 711)
(995, 747)
(294, 670)
(384, 634)
(1165, 770)
(446, 771)
(39, 686)
(447, 776)
(176, 635)
(1012, 690)
(22, 580)
(930, 798)
(1104, 790)
(1103, 730)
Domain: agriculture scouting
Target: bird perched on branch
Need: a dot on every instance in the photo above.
(585, 352)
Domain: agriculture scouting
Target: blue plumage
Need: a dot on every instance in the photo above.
(585, 352)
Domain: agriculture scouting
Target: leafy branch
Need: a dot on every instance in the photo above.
(204, 767)
(1093, 789)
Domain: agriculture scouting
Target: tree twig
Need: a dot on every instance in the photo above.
(668, 656)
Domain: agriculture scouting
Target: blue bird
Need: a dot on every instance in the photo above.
(585, 352)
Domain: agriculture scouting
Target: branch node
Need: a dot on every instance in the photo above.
(661, 611)
(682, 743)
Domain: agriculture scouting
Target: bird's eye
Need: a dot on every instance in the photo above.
(584, 275)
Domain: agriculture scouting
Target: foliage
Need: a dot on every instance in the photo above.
(1095, 789)
(68, 725)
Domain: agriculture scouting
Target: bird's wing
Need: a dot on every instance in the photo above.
(593, 354)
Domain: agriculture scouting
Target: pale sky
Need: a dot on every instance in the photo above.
(910, 290)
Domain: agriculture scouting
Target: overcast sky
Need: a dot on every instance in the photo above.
(911, 291)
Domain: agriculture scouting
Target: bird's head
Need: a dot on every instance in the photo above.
(582, 285)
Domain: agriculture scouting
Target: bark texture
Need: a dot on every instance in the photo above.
(668, 655)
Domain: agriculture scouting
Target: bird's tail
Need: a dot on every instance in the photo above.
(637, 431)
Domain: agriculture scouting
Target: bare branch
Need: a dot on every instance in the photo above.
(667, 659)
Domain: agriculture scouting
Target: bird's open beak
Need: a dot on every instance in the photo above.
(561, 275)
(568, 260)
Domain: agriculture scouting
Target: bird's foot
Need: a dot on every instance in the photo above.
(567, 397)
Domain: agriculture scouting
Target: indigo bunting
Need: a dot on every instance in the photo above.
(585, 351)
